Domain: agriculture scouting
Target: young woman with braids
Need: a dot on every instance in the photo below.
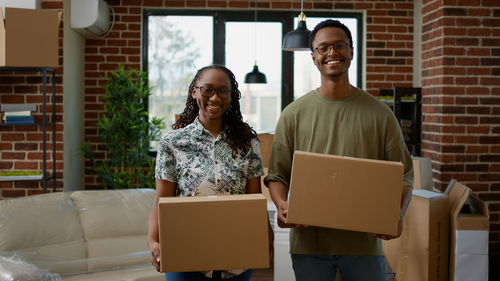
(210, 151)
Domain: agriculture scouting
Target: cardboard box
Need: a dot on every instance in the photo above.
(422, 173)
(29, 38)
(469, 227)
(421, 252)
(263, 187)
(213, 233)
(265, 145)
(345, 193)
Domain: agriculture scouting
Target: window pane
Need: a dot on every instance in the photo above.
(177, 47)
(306, 75)
(248, 43)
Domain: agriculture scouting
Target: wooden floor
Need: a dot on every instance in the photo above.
(265, 274)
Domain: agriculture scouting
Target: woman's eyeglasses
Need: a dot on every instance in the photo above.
(339, 46)
(208, 92)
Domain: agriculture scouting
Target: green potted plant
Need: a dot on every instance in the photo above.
(127, 132)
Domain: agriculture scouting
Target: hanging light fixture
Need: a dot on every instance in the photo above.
(298, 39)
(255, 76)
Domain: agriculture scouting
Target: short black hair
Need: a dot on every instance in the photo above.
(329, 23)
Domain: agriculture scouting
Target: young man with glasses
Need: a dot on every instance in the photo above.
(336, 118)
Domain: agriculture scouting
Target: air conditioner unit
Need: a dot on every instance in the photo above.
(90, 17)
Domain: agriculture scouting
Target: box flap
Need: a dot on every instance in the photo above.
(457, 194)
(232, 197)
(428, 194)
(422, 173)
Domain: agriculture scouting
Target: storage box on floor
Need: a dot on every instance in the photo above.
(422, 173)
(213, 233)
(421, 253)
(345, 193)
(469, 226)
(29, 38)
(445, 237)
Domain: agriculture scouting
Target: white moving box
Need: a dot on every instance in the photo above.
(469, 227)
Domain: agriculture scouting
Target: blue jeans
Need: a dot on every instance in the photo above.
(351, 268)
(198, 276)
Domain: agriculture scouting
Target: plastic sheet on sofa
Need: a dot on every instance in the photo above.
(107, 232)
(14, 268)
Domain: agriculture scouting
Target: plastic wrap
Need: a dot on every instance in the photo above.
(14, 268)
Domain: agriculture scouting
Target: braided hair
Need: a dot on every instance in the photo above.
(239, 133)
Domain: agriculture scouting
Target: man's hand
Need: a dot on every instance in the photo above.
(282, 212)
(279, 193)
(390, 237)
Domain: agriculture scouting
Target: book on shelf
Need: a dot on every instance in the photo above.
(7, 107)
(20, 175)
(17, 113)
(19, 120)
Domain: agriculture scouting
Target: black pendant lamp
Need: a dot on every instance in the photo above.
(298, 39)
(255, 76)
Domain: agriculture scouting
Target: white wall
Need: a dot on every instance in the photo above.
(73, 101)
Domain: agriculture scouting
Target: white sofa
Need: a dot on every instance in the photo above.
(82, 235)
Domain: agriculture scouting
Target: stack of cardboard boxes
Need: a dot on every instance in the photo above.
(445, 235)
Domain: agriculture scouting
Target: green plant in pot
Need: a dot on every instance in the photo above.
(126, 132)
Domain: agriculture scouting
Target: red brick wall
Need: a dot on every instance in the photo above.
(461, 98)
(389, 41)
(21, 146)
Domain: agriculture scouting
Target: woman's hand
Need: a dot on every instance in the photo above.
(154, 249)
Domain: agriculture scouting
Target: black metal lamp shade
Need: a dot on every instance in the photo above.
(298, 39)
(255, 76)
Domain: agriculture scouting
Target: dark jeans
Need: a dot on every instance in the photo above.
(351, 268)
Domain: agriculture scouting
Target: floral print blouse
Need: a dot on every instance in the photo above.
(202, 165)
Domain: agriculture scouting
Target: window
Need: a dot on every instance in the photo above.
(262, 102)
(177, 47)
(179, 42)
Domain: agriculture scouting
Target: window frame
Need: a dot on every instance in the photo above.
(285, 17)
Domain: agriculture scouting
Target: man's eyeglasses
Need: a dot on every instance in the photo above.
(208, 92)
(339, 46)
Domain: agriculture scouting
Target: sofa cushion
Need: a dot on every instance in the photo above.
(44, 230)
(109, 252)
(114, 225)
